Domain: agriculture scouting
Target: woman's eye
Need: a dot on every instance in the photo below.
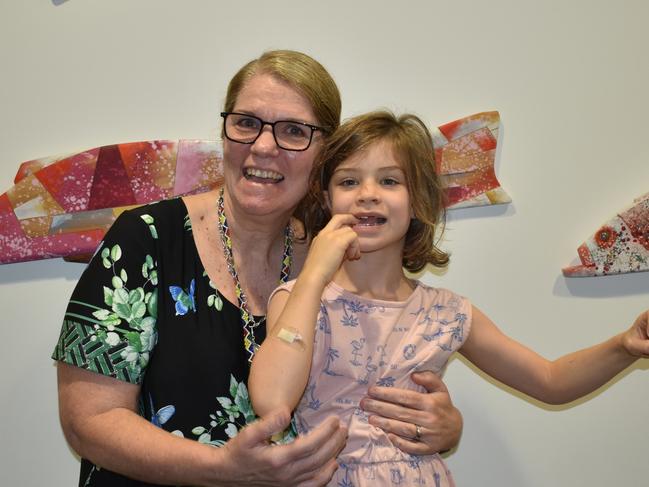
(247, 123)
(294, 130)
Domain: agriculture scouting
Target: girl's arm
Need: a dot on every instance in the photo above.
(280, 369)
(554, 382)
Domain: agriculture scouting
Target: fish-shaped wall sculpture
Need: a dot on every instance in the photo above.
(62, 206)
(619, 246)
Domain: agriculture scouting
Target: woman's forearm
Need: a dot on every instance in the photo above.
(99, 421)
(121, 441)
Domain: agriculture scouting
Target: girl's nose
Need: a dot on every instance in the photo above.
(265, 144)
(368, 193)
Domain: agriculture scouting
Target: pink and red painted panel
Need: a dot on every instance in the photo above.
(62, 206)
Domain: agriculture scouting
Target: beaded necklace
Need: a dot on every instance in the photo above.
(247, 319)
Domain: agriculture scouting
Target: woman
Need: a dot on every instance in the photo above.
(159, 333)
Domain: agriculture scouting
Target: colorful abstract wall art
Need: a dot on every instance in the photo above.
(62, 206)
(619, 246)
(465, 153)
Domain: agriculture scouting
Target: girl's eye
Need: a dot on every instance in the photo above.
(347, 182)
(389, 181)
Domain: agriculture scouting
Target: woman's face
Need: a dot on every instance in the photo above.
(262, 179)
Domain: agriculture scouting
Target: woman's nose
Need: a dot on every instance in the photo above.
(265, 143)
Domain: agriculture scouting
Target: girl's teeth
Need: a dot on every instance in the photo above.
(371, 220)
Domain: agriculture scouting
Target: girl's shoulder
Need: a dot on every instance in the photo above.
(439, 296)
(285, 286)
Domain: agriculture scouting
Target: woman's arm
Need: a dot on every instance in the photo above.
(100, 423)
(99, 420)
(280, 369)
(554, 382)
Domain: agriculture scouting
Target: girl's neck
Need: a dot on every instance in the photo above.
(375, 276)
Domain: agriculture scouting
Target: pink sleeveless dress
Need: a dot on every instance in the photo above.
(361, 342)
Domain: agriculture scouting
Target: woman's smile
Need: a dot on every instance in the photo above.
(262, 175)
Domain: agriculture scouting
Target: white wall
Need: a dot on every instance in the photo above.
(570, 80)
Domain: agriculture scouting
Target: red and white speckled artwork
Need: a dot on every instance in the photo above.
(619, 246)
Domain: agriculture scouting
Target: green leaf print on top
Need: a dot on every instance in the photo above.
(234, 413)
(213, 299)
(118, 339)
(148, 219)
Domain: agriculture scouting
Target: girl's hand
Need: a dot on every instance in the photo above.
(335, 243)
(398, 412)
(636, 339)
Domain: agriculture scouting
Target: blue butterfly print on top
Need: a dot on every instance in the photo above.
(163, 415)
(184, 299)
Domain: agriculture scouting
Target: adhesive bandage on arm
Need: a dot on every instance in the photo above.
(290, 335)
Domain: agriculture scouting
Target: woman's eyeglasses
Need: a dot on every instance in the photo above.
(288, 134)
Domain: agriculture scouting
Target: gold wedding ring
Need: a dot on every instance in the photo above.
(417, 432)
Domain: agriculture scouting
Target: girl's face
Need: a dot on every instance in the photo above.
(260, 177)
(371, 185)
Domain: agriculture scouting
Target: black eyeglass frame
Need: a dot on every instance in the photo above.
(314, 128)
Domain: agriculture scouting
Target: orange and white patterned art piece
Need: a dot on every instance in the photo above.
(465, 153)
(62, 206)
(619, 246)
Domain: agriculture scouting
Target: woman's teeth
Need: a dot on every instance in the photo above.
(258, 173)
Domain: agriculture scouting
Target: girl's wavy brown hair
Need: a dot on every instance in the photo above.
(413, 148)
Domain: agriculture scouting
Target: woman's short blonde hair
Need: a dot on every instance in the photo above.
(413, 148)
(300, 71)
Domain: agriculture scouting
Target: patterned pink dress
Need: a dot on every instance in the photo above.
(360, 342)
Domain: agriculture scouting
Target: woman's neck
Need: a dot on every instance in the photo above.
(375, 275)
(255, 235)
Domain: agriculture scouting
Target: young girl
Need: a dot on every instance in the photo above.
(353, 318)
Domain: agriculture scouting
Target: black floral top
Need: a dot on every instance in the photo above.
(144, 311)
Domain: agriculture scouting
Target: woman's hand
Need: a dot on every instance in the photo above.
(309, 461)
(636, 339)
(400, 411)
